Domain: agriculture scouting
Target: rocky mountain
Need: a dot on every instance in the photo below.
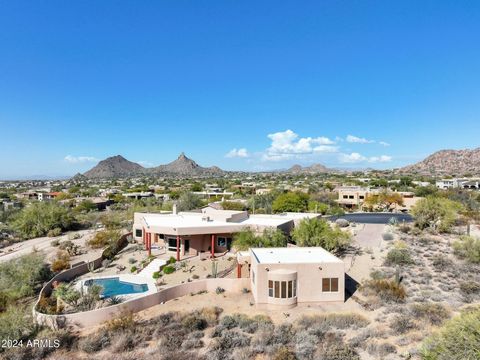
(315, 168)
(118, 166)
(447, 162)
(113, 167)
(184, 166)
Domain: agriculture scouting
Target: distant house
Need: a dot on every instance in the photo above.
(48, 196)
(285, 277)
(138, 195)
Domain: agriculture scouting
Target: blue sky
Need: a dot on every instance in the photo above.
(240, 84)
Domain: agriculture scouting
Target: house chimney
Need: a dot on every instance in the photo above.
(174, 209)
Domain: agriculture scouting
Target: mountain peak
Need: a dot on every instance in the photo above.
(182, 156)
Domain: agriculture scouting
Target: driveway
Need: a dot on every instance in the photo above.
(40, 244)
(373, 218)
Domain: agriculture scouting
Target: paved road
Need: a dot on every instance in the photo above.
(373, 218)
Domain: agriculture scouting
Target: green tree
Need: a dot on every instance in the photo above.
(189, 201)
(319, 232)
(86, 206)
(246, 239)
(458, 339)
(38, 218)
(290, 201)
(436, 213)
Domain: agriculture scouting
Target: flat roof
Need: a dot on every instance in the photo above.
(293, 255)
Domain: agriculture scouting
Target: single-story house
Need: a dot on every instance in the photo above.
(284, 277)
(208, 231)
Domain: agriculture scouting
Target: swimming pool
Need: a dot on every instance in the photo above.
(114, 286)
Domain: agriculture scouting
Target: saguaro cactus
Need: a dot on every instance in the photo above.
(214, 269)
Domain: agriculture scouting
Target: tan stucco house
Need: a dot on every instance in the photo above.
(285, 277)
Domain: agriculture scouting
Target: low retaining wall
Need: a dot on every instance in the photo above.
(98, 316)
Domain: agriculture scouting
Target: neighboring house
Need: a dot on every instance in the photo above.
(48, 195)
(138, 195)
(352, 196)
(207, 232)
(458, 183)
(284, 277)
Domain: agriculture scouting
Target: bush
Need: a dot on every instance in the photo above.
(441, 262)
(55, 242)
(402, 324)
(156, 275)
(132, 261)
(168, 269)
(39, 218)
(94, 342)
(387, 290)
(333, 320)
(318, 232)
(61, 262)
(468, 247)
(456, 340)
(436, 213)
(219, 290)
(103, 238)
(284, 353)
(470, 287)
(54, 232)
(133, 269)
(398, 256)
(172, 260)
(434, 313)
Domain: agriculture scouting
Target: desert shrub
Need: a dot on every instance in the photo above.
(133, 269)
(387, 236)
(103, 238)
(436, 213)
(385, 289)
(195, 277)
(381, 349)
(124, 341)
(61, 261)
(156, 275)
(404, 228)
(21, 277)
(193, 341)
(230, 339)
(434, 313)
(39, 218)
(193, 322)
(468, 247)
(332, 320)
(458, 339)
(337, 351)
(244, 322)
(16, 323)
(402, 324)
(284, 353)
(168, 269)
(398, 256)
(219, 290)
(94, 342)
(171, 260)
(441, 262)
(125, 321)
(131, 261)
(305, 344)
(54, 232)
(470, 287)
(55, 242)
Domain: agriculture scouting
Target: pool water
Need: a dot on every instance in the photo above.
(114, 286)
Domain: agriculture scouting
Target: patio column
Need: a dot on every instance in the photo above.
(149, 244)
(239, 271)
(178, 248)
(212, 246)
(143, 235)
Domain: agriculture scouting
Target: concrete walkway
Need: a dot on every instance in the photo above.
(154, 266)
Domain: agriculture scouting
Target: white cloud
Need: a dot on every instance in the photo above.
(381, 158)
(383, 143)
(287, 144)
(80, 159)
(240, 153)
(355, 157)
(358, 140)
